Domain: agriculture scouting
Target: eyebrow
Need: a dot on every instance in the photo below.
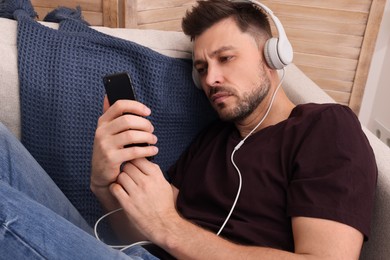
(214, 53)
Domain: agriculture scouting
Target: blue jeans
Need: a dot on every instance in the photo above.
(37, 221)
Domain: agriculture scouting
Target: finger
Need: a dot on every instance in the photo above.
(129, 167)
(119, 132)
(121, 107)
(119, 193)
(135, 174)
(132, 137)
(129, 139)
(130, 182)
(132, 107)
(123, 198)
(146, 166)
(133, 152)
(126, 122)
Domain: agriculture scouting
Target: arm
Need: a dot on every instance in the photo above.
(112, 133)
(314, 239)
(147, 199)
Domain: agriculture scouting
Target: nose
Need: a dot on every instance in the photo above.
(214, 75)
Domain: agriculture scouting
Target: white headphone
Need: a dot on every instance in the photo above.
(278, 52)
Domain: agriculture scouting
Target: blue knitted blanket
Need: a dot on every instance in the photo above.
(61, 92)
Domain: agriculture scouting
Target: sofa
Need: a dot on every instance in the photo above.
(174, 44)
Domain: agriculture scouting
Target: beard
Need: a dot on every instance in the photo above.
(248, 102)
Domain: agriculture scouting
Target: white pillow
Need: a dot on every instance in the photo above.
(9, 83)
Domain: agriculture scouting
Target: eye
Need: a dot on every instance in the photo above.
(225, 58)
(201, 70)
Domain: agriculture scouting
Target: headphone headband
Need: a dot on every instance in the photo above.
(284, 48)
(278, 52)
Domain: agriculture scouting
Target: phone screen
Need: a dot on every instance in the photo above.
(118, 86)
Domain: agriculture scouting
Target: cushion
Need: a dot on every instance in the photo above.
(170, 43)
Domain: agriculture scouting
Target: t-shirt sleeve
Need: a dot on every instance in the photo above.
(334, 172)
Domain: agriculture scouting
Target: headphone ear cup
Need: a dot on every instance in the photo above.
(271, 54)
(195, 78)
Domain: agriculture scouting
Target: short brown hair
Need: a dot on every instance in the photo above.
(249, 18)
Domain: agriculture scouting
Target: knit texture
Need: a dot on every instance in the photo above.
(61, 91)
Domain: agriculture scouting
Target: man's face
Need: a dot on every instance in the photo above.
(231, 70)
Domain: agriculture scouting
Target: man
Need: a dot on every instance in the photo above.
(308, 172)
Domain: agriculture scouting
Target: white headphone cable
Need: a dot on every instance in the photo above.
(238, 146)
(120, 247)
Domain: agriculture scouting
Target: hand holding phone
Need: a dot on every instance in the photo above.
(119, 86)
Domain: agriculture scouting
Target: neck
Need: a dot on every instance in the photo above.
(280, 111)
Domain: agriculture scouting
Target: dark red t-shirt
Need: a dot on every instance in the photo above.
(317, 163)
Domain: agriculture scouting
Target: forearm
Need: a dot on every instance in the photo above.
(106, 199)
(315, 239)
(185, 240)
(120, 224)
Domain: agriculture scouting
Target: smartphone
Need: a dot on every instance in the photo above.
(119, 86)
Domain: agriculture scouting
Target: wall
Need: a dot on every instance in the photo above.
(375, 110)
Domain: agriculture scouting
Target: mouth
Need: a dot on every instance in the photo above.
(219, 97)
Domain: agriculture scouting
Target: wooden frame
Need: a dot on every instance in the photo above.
(96, 12)
(366, 53)
(333, 40)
